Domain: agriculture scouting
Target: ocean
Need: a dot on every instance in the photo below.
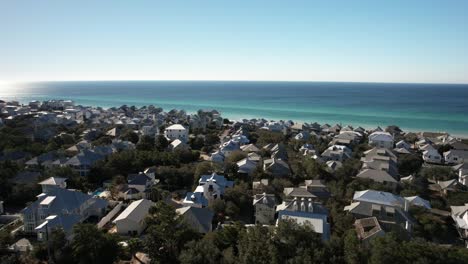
(413, 107)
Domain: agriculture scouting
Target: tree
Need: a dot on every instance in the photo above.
(409, 164)
(352, 248)
(5, 239)
(61, 251)
(203, 251)
(167, 234)
(438, 173)
(385, 250)
(255, 246)
(145, 143)
(90, 245)
(161, 143)
(131, 136)
(134, 245)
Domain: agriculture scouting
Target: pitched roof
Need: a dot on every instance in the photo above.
(204, 216)
(376, 175)
(53, 181)
(136, 211)
(176, 127)
(378, 197)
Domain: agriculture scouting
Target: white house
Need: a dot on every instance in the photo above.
(177, 131)
(431, 155)
(306, 212)
(460, 217)
(265, 208)
(210, 187)
(58, 207)
(131, 220)
(454, 156)
(381, 140)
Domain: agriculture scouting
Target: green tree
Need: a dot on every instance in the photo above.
(161, 143)
(145, 143)
(203, 251)
(256, 246)
(167, 234)
(90, 245)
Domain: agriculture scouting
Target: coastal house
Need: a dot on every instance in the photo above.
(462, 171)
(317, 188)
(306, 212)
(346, 138)
(381, 159)
(379, 176)
(460, 217)
(337, 153)
(83, 161)
(250, 148)
(403, 144)
(138, 186)
(265, 208)
(177, 144)
(391, 210)
(455, 156)
(276, 167)
(177, 131)
(381, 140)
(131, 221)
(431, 155)
(444, 187)
(57, 207)
(227, 148)
(199, 219)
(217, 156)
(210, 187)
(246, 166)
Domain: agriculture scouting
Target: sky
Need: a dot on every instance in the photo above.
(311, 40)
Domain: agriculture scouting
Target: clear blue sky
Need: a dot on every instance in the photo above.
(374, 40)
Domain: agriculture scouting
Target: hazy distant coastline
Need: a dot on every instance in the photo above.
(413, 107)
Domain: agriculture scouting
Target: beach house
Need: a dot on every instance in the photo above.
(176, 131)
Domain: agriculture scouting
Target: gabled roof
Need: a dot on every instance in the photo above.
(298, 192)
(376, 175)
(418, 201)
(203, 216)
(85, 157)
(176, 127)
(53, 181)
(136, 211)
(138, 179)
(378, 197)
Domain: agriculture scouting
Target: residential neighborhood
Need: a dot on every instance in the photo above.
(142, 180)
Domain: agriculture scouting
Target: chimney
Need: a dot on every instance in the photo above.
(311, 206)
(303, 208)
(408, 226)
(406, 205)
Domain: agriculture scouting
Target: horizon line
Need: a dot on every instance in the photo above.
(226, 80)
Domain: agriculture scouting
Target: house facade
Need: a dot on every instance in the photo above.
(177, 131)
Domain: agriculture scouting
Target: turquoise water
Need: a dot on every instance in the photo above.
(415, 107)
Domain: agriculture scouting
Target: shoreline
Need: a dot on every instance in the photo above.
(237, 117)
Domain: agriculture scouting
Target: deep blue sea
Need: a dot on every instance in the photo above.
(415, 107)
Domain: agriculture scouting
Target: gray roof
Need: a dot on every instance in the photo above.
(85, 157)
(204, 216)
(378, 197)
(376, 175)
